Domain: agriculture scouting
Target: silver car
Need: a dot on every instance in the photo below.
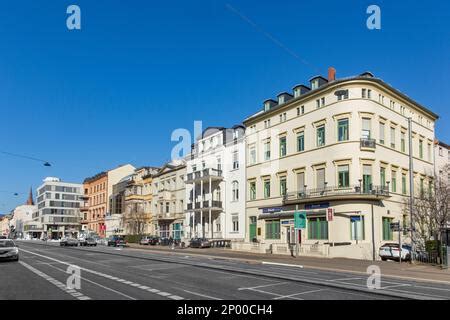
(8, 250)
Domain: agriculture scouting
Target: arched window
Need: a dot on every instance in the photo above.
(235, 191)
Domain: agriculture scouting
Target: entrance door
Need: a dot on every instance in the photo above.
(252, 228)
(290, 235)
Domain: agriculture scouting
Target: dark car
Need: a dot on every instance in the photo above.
(68, 242)
(116, 241)
(153, 241)
(3, 237)
(200, 243)
(8, 250)
(88, 242)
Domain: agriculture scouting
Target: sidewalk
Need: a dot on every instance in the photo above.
(418, 272)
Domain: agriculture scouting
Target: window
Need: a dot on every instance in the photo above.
(321, 135)
(429, 152)
(322, 101)
(298, 111)
(301, 181)
(167, 207)
(341, 95)
(317, 228)
(282, 146)
(272, 229)
(420, 149)
(267, 188)
(440, 151)
(363, 93)
(343, 176)
(283, 186)
(252, 154)
(367, 178)
(393, 138)
(318, 103)
(402, 142)
(267, 150)
(403, 183)
(235, 160)
(357, 227)
(365, 133)
(235, 191)
(320, 178)
(369, 94)
(383, 176)
(253, 190)
(235, 221)
(393, 181)
(381, 132)
(283, 117)
(387, 232)
(302, 109)
(300, 141)
(421, 187)
(343, 130)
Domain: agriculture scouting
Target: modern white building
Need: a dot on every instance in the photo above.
(58, 210)
(215, 185)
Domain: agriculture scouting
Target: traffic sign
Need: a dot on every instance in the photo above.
(395, 226)
(330, 214)
(299, 219)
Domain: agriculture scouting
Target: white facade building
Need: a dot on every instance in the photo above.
(58, 210)
(215, 185)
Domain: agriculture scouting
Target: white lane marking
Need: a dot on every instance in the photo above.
(344, 279)
(297, 294)
(397, 285)
(273, 294)
(282, 264)
(262, 286)
(431, 288)
(104, 275)
(202, 295)
(60, 285)
(98, 284)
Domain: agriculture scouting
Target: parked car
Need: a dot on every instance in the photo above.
(68, 242)
(149, 240)
(390, 251)
(3, 237)
(200, 243)
(102, 241)
(8, 250)
(116, 241)
(88, 242)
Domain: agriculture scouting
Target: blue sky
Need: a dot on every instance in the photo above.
(114, 91)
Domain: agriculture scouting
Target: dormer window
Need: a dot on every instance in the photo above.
(314, 84)
(280, 99)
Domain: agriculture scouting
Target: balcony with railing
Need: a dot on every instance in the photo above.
(214, 205)
(204, 175)
(368, 144)
(370, 192)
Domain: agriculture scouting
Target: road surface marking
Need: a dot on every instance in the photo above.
(104, 275)
(262, 286)
(282, 264)
(95, 283)
(344, 279)
(57, 283)
(273, 294)
(202, 295)
(297, 294)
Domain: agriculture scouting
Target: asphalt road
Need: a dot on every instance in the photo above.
(113, 273)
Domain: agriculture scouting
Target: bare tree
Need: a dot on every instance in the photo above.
(431, 209)
(135, 218)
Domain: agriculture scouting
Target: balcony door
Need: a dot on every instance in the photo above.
(367, 178)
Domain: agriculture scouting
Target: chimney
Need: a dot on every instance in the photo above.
(331, 74)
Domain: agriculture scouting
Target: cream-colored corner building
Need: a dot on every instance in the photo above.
(168, 200)
(338, 144)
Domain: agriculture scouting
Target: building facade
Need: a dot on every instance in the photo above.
(336, 151)
(58, 210)
(138, 202)
(442, 159)
(215, 185)
(98, 190)
(168, 200)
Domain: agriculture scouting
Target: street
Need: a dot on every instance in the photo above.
(135, 274)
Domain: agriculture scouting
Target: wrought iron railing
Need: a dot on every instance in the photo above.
(337, 191)
(368, 143)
